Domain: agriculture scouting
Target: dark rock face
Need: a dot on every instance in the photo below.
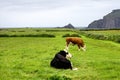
(112, 20)
(96, 24)
(69, 26)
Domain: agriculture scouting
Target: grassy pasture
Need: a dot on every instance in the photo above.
(28, 58)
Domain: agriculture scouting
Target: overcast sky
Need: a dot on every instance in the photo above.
(53, 13)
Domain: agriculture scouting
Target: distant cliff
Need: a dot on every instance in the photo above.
(111, 20)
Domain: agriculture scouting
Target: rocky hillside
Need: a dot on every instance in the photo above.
(111, 20)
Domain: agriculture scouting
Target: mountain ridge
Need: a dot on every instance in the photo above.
(111, 20)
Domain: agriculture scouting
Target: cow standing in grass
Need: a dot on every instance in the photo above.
(75, 41)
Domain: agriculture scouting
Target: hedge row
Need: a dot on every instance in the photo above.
(115, 38)
(71, 35)
(28, 35)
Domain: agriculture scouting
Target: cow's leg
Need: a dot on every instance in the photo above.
(67, 44)
(83, 48)
(78, 47)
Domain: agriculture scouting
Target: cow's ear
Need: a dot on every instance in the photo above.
(61, 51)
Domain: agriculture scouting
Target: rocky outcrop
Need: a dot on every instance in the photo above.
(96, 24)
(111, 20)
(69, 26)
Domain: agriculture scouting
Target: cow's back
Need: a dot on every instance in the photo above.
(75, 40)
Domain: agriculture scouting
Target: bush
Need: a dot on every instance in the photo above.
(21, 31)
(55, 77)
(38, 30)
(115, 38)
(72, 35)
(4, 35)
(27, 35)
(75, 35)
(66, 35)
(47, 35)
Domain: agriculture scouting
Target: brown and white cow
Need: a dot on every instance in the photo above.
(75, 41)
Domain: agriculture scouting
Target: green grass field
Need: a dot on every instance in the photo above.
(28, 58)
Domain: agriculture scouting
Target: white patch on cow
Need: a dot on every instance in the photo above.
(69, 55)
(84, 48)
(71, 43)
(66, 48)
(75, 69)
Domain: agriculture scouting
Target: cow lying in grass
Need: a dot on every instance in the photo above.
(75, 41)
(60, 61)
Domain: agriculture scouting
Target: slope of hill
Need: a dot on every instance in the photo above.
(111, 20)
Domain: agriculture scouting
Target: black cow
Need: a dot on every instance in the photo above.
(60, 61)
